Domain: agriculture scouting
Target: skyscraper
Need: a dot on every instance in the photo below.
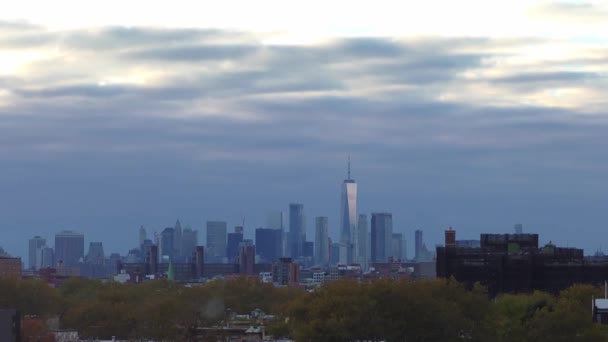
(95, 255)
(382, 234)
(268, 244)
(69, 248)
(189, 243)
(321, 241)
(177, 240)
(246, 259)
(216, 241)
(348, 219)
(142, 236)
(397, 246)
(167, 243)
(35, 244)
(362, 242)
(297, 232)
(418, 245)
(234, 241)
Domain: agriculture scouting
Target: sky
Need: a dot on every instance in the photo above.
(471, 114)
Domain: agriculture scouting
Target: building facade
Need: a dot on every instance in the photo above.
(321, 241)
(297, 230)
(69, 249)
(216, 242)
(381, 236)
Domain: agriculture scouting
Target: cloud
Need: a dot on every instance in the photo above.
(150, 123)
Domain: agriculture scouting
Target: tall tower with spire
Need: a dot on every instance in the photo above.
(348, 219)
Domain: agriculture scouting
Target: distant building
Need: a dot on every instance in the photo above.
(177, 241)
(35, 244)
(95, 255)
(398, 247)
(167, 243)
(382, 234)
(268, 244)
(246, 257)
(142, 235)
(234, 241)
(45, 257)
(284, 272)
(418, 242)
(321, 241)
(348, 220)
(69, 249)
(519, 228)
(297, 230)
(334, 257)
(362, 243)
(216, 242)
(10, 267)
(188, 244)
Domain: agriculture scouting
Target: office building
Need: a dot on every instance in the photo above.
(69, 249)
(418, 244)
(10, 267)
(285, 272)
(275, 220)
(45, 257)
(189, 243)
(398, 247)
(268, 244)
(348, 220)
(142, 235)
(321, 241)
(35, 244)
(167, 244)
(334, 257)
(362, 242)
(234, 241)
(95, 255)
(246, 259)
(382, 234)
(216, 242)
(177, 240)
(297, 230)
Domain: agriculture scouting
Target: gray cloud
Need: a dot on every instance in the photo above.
(222, 125)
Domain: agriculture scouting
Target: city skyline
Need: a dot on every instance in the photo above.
(476, 114)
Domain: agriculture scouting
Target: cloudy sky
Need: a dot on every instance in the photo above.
(471, 114)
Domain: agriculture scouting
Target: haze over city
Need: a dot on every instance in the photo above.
(476, 115)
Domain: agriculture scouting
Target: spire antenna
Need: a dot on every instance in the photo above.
(349, 166)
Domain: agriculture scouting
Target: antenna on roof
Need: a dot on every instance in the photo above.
(349, 166)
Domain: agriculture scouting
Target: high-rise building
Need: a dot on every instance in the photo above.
(95, 255)
(362, 242)
(382, 234)
(189, 243)
(69, 248)
(142, 236)
(348, 220)
(297, 231)
(45, 257)
(268, 244)
(35, 244)
(418, 245)
(275, 220)
(398, 247)
(167, 243)
(216, 242)
(519, 228)
(246, 257)
(234, 241)
(321, 241)
(334, 257)
(177, 240)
